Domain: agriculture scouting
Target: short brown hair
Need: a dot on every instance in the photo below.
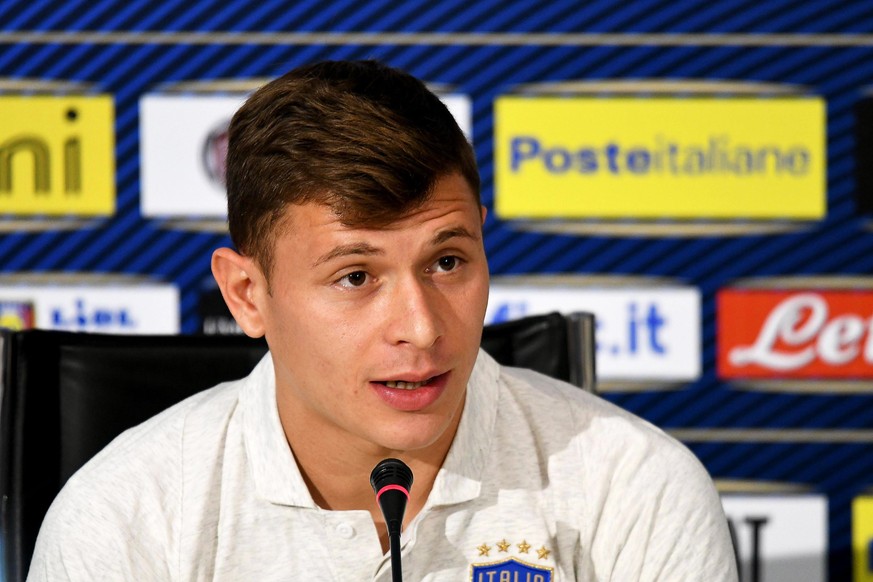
(365, 139)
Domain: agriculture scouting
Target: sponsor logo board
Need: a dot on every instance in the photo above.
(184, 141)
(128, 309)
(768, 333)
(779, 538)
(184, 148)
(57, 155)
(708, 158)
(642, 333)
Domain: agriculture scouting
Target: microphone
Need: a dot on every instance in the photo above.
(391, 480)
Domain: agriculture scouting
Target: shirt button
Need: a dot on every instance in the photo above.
(345, 530)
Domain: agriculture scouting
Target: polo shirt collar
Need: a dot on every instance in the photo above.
(274, 469)
(277, 477)
(460, 478)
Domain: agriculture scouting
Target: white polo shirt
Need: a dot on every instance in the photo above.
(543, 482)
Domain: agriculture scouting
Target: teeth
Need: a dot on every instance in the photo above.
(400, 384)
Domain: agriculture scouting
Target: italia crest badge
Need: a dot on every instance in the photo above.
(511, 569)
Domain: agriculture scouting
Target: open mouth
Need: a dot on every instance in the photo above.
(403, 385)
(411, 394)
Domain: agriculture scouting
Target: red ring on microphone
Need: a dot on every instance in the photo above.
(390, 487)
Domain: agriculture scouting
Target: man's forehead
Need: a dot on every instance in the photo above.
(315, 215)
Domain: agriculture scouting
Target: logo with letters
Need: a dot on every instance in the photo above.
(795, 333)
(645, 333)
(510, 570)
(589, 157)
(144, 308)
(57, 155)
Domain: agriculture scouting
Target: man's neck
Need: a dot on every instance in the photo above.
(337, 470)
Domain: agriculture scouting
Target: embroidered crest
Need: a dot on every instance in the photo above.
(510, 570)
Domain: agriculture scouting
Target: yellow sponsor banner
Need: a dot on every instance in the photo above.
(57, 155)
(664, 157)
(862, 539)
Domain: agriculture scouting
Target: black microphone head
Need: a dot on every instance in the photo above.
(391, 472)
(391, 480)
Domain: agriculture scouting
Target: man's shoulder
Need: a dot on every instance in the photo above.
(124, 508)
(159, 441)
(143, 465)
(586, 443)
(598, 428)
(639, 499)
(554, 400)
(130, 493)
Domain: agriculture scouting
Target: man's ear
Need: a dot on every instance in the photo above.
(483, 212)
(242, 285)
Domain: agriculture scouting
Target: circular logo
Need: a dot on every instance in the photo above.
(215, 154)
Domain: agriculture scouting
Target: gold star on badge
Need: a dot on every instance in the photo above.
(503, 545)
(484, 549)
(523, 547)
(543, 553)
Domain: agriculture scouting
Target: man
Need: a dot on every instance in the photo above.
(354, 206)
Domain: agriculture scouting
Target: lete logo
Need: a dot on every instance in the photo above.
(779, 334)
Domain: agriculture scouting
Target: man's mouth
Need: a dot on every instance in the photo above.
(403, 385)
(409, 393)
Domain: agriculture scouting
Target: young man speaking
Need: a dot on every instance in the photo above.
(353, 203)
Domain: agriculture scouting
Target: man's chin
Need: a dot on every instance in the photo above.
(418, 436)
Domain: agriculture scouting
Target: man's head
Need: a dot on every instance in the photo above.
(364, 139)
(353, 199)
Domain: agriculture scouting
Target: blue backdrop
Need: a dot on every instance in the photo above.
(483, 49)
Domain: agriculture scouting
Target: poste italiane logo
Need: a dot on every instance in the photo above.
(582, 151)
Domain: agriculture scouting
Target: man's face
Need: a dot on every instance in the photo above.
(374, 332)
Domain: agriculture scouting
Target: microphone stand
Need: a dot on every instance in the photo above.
(391, 480)
(396, 567)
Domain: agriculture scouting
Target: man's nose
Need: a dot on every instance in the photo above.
(416, 314)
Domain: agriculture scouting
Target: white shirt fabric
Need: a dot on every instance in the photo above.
(543, 482)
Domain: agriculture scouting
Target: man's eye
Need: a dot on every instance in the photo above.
(447, 263)
(355, 279)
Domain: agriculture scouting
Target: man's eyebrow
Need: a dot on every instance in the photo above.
(360, 248)
(450, 233)
(365, 249)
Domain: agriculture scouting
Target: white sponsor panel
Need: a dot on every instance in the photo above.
(181, 161)
(780, 538)
(642, 333)
(183, 144)
(121, 309)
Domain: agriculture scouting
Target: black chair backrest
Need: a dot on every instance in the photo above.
(65, 395)
(558, 345)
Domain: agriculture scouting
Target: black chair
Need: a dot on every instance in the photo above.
(64, 396)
